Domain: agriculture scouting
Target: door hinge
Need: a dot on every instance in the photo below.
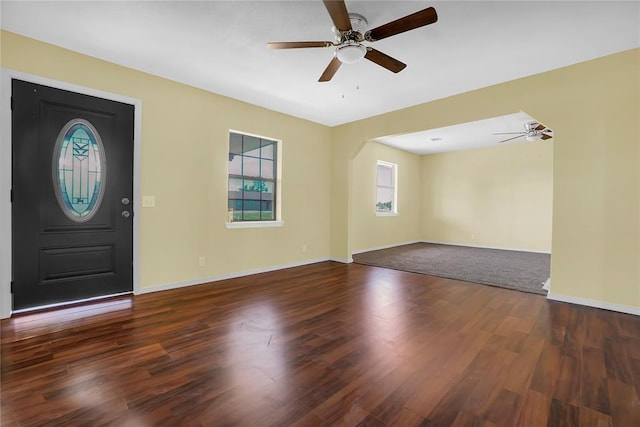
(12, 103)
(12, 286)
(11, 195)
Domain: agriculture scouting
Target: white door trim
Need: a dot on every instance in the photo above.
(6, 75)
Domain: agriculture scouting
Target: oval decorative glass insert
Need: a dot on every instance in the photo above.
(79, 170)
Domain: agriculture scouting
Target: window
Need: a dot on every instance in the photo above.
(253, 178)
(79, 170)
(386, 191)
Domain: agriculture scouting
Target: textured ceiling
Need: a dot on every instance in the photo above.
(220, 46)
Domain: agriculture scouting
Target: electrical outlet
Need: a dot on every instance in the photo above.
(473, 236)
(202, 261)
(304, 247)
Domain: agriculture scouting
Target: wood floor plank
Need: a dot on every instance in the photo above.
(504, 408)
(591, 418)
(519, 374)
(547, 369)
(568, 385)
(454, 400)
(563, 414)
(594, 392)
(324, 344)
(490, 385)
(625, 406)
(535, 409)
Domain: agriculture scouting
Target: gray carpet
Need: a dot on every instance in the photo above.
(522, 271)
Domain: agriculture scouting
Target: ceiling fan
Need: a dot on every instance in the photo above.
(350, 35)
(534, 131)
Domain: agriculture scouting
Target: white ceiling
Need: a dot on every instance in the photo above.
(464, 136)
(220, 46)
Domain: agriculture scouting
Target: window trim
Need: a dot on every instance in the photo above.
(394, 174)
(278, 221)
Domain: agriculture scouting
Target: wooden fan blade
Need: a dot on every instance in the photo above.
(539, 127)
(296, 45)
(409, 22)
(331, 70)
(384, 60)
(509, 139)
(338, 13)
(545, 136)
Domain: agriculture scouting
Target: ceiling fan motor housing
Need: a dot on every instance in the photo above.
(355, 35)
(531, 125)
(350, 48)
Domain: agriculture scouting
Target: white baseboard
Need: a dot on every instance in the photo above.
(342, 260)
(596, 304)
(204, 280)
(377, 248)
(484, 247)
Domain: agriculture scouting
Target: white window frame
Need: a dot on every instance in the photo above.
(394, 174)
(278, 222)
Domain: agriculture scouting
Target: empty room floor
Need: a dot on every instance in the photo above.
(323, 344)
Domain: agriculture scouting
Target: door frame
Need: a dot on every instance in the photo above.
(6, 226)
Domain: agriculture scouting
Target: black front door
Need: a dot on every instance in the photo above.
(72, 204)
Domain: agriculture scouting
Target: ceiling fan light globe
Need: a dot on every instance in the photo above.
(533, 138)
(351, 53)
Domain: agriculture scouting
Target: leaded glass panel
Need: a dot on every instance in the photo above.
(79, 170)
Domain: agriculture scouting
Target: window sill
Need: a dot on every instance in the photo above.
(386, 214)
(254, 224)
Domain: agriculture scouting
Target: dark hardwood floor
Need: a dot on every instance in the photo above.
(325, 344)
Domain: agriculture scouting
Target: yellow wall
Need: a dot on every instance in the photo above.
(184, 164)
(497, 197)
(593, 108)
(371, 231)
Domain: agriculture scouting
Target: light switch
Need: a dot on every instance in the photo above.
(148, 201)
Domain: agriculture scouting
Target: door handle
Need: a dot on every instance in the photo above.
(126, 214)
(125, 201)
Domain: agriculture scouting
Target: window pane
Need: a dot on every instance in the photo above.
(255, 186)
(267, 149)
(235, 143)
(385, 176)
(235, 164)
(267, 169)
(237, 210)
(251, 207)
(267, 211)
(266, 189)
(235, 204)
(250, 166)
(235, 184)
(251, 146)
(384, 199)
